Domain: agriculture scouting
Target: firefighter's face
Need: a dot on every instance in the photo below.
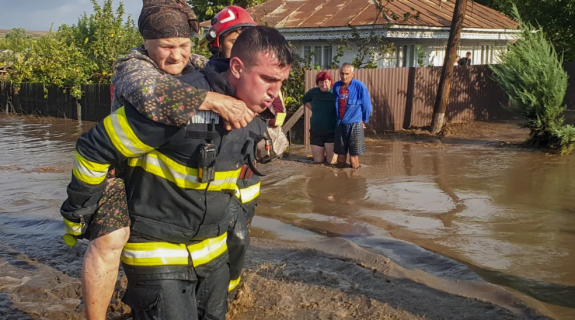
(227, 42)
(259, 83)
(171, 54)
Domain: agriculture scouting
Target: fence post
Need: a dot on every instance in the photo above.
(79, 111)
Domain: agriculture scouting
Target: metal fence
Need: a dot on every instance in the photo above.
(404, 97)
(51, 101)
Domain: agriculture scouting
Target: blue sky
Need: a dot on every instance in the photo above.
(38, 15)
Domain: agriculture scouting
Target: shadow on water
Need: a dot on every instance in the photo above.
(560, 295)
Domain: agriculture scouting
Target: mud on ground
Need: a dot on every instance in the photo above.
(282, 280)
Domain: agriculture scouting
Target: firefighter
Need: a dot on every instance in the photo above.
(180, 183)
(225, 28)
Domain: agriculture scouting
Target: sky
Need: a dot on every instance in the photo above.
(38, 15)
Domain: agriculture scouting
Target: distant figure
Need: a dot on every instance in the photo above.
(353, 108)
(321, 101)
(465, 61)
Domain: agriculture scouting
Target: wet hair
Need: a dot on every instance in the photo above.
(254, 40)
(347, 64)
(322, 76)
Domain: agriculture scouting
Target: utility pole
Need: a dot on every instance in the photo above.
(447, 70)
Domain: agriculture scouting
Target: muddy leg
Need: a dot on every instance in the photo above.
(354, 161)
(318, 154)
(109, 231)
(329, 155)
(100, 272)
(341, 160)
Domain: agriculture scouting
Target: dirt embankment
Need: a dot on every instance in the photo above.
(282, 281)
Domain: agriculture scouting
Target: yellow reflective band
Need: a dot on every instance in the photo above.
(73, 228)
(122, 135)
(165, 253)
(184, 177)
(155, 254)
(88, 171)
(208, 250)
(234, 283)
(250, 193)
(280, 117)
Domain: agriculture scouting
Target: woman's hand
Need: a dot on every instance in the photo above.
(234, 112)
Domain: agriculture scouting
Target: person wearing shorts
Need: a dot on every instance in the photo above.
(323, 119)
(353, 109)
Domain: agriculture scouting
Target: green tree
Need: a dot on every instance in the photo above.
(102, 37)
(556, 17)
(532, 75)
(207, 9)
(49, 60)
(16, 39)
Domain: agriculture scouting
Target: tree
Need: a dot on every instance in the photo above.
(447, 69)
(102, 37)
(16, 39)
(49, 60)
(532, 75)
(207, 9)
(556, 17)
(367, 42)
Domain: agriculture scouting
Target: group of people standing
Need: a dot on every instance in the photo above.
(339, 114)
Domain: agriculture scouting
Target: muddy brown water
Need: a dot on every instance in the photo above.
(461, 211)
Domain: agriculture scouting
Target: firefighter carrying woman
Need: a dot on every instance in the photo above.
(181, 178)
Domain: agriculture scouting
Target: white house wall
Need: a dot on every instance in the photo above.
(482, 52)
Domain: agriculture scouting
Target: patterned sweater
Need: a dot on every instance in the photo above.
(154, 93)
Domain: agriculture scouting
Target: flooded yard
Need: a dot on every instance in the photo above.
(456, 209)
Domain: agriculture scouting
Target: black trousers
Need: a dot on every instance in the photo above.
(238, 239)
(157, 297)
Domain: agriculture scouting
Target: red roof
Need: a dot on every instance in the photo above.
(340, 13)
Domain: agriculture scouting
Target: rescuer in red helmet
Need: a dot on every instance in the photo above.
(226, 26)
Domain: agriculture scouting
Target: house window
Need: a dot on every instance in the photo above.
(319, 55)
(409, 55)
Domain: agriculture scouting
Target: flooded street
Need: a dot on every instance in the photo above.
(459, 211)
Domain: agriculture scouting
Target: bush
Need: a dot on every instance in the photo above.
(532, 75)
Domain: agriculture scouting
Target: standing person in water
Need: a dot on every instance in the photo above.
(321, 101)
(353, 109)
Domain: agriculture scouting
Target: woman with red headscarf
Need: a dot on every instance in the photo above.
(321, 101)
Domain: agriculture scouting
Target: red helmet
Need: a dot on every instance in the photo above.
(229, 19)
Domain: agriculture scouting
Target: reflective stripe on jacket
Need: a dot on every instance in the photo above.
(165, 253)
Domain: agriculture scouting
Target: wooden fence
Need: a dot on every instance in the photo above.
(30, 98)
(401, 97)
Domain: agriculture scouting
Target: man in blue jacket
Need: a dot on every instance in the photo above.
(353, 108)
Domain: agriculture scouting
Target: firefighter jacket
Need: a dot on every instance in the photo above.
(174, 214)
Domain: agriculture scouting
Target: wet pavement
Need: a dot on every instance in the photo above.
(462, 211)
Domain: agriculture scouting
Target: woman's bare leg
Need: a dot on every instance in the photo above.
(329, 155)
(100, 272)
(318, 154)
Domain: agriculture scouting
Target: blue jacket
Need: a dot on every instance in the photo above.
(358, 104)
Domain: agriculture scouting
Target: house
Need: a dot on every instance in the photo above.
(316, 27)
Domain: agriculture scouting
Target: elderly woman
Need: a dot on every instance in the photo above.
(145, 78)
(321, 101)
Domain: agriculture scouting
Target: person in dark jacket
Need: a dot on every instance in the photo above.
(145, 78)
(465, 61)
(255, 74)
(323, 119)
